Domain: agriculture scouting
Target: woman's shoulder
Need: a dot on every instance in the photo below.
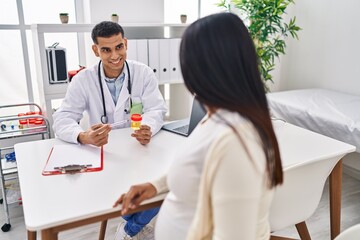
(232, 125)
(240, 138)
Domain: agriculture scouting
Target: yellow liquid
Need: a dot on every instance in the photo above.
(135, 125)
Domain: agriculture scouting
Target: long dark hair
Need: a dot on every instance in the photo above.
(219, 65)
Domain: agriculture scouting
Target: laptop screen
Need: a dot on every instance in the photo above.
(186, 126)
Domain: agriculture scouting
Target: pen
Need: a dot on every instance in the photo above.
(119, 123)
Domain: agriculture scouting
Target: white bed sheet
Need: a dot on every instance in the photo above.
(331, 113)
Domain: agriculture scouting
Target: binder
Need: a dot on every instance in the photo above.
(164, 61)
(154, 56)
(73, 158)
(131, 50)
(142, 51)
(175, 71)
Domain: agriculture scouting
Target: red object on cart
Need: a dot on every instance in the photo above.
(72, 73)
(37, 121)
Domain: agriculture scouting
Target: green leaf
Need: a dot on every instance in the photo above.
(267, 28)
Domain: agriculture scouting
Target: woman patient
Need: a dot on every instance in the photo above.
(222, 181)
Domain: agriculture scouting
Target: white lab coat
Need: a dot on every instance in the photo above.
(84, 95)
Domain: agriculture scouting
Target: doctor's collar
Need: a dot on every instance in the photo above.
(121, 76)
(107, 79)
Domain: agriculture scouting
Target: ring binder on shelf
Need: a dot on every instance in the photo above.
(73, 158)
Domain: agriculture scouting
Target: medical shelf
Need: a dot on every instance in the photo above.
(17, 126)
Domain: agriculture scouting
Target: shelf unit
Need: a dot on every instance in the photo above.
(49, 92)
(8, 169)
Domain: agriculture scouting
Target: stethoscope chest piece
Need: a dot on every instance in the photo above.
(104, 119)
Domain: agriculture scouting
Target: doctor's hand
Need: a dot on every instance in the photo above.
(135, 195)
(96, 135)
(143, 135)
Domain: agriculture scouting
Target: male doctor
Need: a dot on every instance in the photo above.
(110, 92)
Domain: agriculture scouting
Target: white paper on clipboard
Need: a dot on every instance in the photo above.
(63, 155)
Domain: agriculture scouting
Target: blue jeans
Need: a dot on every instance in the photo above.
(137, 221)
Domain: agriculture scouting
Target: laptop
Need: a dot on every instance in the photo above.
(185, 126)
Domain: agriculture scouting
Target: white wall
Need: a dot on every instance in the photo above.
(173, 9)
(134, 11)
(327, 52)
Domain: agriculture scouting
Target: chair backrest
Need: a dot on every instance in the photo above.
(297, 199)
(351, 233)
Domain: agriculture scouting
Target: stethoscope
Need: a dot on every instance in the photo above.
(104, 119)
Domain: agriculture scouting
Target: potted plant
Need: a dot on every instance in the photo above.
(64, 17)
(264, 20)
(114, 17)
(183, 18)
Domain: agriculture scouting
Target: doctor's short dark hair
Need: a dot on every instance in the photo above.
(106, 29)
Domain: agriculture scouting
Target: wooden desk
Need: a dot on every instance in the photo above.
(85, 198)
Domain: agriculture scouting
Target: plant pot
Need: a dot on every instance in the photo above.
(64, 18)
(115, 18)
(183, 18)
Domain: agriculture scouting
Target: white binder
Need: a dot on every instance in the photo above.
(164, 52)
(175, 71)
(131, 50)
(142, 51)
(154, 56)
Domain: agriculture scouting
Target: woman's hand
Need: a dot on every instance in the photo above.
(136, 195)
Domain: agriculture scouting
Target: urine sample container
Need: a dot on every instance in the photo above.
(136, 121)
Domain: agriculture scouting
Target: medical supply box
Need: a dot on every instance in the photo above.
(56, 63)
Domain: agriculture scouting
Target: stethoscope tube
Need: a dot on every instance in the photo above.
(104, 118)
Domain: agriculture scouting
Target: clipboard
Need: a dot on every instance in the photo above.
(73, 158)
